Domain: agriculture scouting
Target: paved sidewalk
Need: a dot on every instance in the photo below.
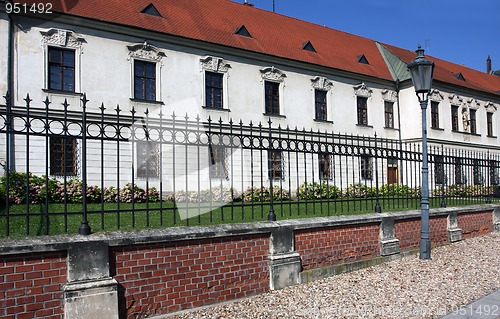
(487, 307)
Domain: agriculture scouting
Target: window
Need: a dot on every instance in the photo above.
(218, 167)
(439, 176)
(325, 166)
(434, 114)
(472, 119)
(454, 118)
(489, 123)
(61, 69)
(459, 172)
(320, 105)
(272, 97)
(494, 176)
(476, 171)
(144, 80)
(389, 114)
(366, 167)
(148, 160)
(277, 165)
(362, 110)
(63, 159)
(213, 89)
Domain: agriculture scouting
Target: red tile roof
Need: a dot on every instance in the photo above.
(216, 21)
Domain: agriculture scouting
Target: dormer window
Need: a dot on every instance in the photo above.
(243, 31)
(151, 10)
(362, 59)
(308, 46)
(459, 76)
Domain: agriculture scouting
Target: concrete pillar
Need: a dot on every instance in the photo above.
(284, 262)
(389, 244)
(90, 292)
(454, 233)
(496, 219)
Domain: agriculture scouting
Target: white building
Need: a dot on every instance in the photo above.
(230, 61)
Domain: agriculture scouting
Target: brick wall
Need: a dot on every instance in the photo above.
(162, 278)
(31, 285)
(439, 230)
(323, 247)
(408, 233)
(475, 224)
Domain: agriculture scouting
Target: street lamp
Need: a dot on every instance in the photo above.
(421, 71)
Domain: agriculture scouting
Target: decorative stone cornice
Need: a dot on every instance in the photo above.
(321, 83)
(362, 90)
(473, 104)
(145, 51)
(214, 64)
(389, 95)
(436, 96)
(490, 106)
(272, 74)
(455, 99)
(63, 38)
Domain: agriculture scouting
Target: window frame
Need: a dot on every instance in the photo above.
(366, 167)
(273, 99)
(276, 161)
(63, 67)
(325, 162)
(389, 114)
(362, 110)
(142, 173)
(145, 78)
(489, 124)
(217, 157)
(454, 118)
(435, 114)
(211, 87)
(321, 104)
(61, 169)
(473, 121)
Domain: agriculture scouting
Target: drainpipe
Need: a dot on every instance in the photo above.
(399, 134)
(10, 93)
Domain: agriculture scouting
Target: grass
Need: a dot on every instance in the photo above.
(35, 220)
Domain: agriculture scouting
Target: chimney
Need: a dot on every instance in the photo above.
(488, 65)
(248, 3)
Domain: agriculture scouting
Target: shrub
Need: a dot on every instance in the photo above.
(359, 191)
(261, 194)
(318, 191)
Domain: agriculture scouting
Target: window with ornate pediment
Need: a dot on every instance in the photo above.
(146, 63)
(363, 93)
(63, 49)
(273, 79)
(215, 76)
(322, 87)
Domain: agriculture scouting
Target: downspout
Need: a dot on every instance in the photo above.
(399, 133)
(10, 94)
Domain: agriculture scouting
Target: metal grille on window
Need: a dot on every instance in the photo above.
(325, 166)
(434, 114)
(459, 172)
(63, 156)
(478, 174)
(366, 167)
(439, 173)
(389, 114)
(494, 176)
(218, 164)
(148, 160)
(277, 165)
(454, 118)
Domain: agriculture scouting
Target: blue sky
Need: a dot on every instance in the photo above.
(460, 31)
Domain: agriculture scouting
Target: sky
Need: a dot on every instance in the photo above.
(460, 31)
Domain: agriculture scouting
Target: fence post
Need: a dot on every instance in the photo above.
(84, 226)
(271, 216)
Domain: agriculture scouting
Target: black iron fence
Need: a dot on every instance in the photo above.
(76, 168)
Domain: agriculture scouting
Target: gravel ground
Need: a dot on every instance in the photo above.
(403, 288)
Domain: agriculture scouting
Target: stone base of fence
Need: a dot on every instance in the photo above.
(155, 272)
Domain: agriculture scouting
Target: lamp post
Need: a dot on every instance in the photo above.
(421, 71)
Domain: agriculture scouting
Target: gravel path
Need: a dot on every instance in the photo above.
(403, 288)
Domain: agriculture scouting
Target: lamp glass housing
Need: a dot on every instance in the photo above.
(421, 72)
